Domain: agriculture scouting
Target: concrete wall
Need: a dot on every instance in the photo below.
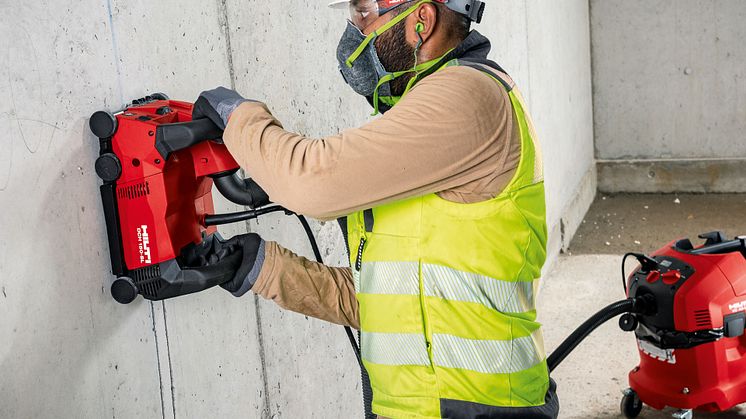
(66, 349)
(669, 87)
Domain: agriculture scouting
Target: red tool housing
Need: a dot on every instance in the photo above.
(164, 200)
(158, 167)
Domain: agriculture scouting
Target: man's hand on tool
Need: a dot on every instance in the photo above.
(217, 104)
(252, 248)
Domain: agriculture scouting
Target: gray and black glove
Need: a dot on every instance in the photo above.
(251, 248)
(217, 104)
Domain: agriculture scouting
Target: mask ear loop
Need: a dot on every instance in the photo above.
(418, 69)
(385, 79)
(391, 76)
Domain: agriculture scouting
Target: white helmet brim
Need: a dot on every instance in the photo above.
(339, 4)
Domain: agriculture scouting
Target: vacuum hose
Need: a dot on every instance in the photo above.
(585, 329)
(240, 191)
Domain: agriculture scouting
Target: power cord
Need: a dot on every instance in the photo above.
(647, 264)
(367, 391)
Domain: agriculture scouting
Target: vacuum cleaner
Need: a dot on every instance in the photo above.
(685, 304)
(687, 308)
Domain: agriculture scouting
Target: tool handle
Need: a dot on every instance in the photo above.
(181, 135)
(202, 278)
(186, 280)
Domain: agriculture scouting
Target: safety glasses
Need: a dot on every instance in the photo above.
(364, 12)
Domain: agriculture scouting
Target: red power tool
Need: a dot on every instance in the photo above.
(158, 168)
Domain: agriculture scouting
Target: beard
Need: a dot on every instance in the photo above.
(396, 55)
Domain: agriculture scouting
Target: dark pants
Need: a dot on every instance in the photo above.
(457, 409)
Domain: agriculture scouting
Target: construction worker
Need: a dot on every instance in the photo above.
(444, 200)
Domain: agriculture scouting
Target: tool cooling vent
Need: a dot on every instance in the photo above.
(134, 191)
(147, 280)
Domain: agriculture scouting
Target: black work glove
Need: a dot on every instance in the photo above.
(217, 104)
(251, 247)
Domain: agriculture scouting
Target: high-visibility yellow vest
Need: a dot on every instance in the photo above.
(447, 294)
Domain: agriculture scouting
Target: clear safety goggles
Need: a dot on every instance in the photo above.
(364, 12)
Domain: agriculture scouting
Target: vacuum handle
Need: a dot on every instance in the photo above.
(181, 135)
(723, 247)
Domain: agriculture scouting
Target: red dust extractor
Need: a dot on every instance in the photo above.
(158, 168)
(691, 339)
(687, 307)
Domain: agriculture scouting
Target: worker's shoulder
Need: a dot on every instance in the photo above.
(468, 82)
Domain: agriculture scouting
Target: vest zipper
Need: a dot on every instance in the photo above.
(363, 240)
(359, 259)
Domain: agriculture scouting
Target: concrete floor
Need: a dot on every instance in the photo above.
(591, 380)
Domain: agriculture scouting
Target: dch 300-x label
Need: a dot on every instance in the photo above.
(143, 244)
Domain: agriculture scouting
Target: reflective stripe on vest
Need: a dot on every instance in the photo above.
(485, 356)
(447, 294)
(449, 284)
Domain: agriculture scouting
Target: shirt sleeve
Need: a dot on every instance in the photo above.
(307, 287)
(449, 130)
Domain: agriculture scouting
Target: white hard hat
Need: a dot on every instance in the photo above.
(339, 4)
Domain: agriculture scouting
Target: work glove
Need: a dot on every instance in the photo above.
(251, 247)
(217, 104)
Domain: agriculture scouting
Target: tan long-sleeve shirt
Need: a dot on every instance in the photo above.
(453, 134)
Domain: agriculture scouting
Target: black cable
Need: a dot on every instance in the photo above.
(219, 219)
(585, 329)
(234, 217)
(624, 271)
(647, 264)
(233, 188)
(317, 255)
(367, 390)
(311, 238)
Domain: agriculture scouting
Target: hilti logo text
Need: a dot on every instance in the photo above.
(143, 241)
(737, 307)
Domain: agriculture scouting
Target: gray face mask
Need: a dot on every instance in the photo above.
(366, 70)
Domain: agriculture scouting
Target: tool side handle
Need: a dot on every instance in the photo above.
(181, 135)
(191, 280)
